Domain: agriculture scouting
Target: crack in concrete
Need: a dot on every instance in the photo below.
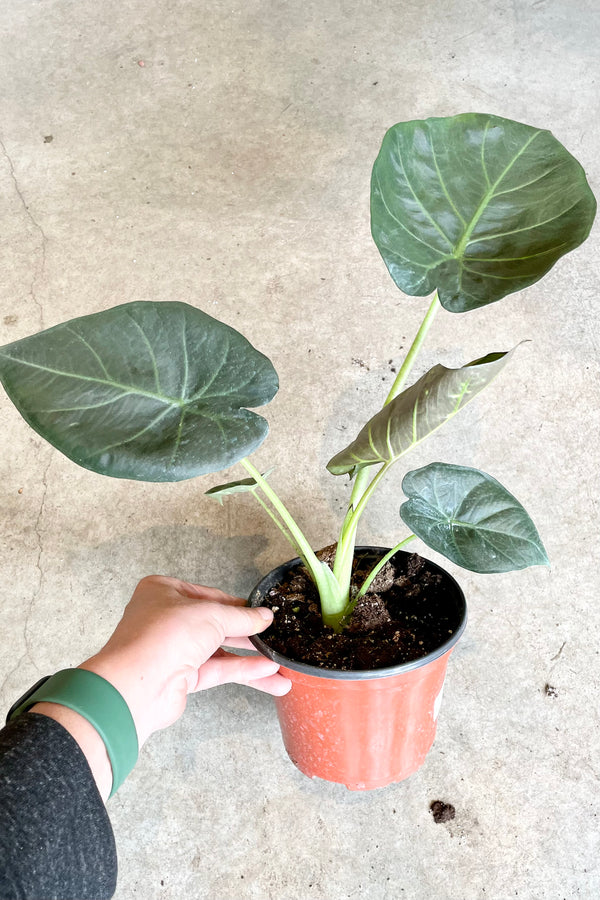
(38, 533)
(38, 274)
(15, 668)
(40, 267)
(28, 652)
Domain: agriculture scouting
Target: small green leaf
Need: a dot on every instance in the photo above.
(416, 412)
(234, 487)
(148, 391)
(475, 206)
(470, 518)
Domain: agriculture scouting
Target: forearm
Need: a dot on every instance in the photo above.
(57, 770)
(88, 739)
(55, 835)
(93, 710)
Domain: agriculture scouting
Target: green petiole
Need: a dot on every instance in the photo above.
(414, 350)
(377, 569)
(332, 600)
(334, 585)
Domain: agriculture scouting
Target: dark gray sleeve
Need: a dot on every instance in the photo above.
(56, 839)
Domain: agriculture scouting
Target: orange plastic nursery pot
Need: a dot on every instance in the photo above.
(364, 729)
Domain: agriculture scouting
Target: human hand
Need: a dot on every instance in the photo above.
(167, 645)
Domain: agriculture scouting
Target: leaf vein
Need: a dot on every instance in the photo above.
(90, 348)
(129, 388)
(492, 237)
(418, 200)
(443, 184)
(138, 434)
(150, 349)
(404, 228)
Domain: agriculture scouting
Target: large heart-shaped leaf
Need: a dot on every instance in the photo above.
(416, 412)
(475, 206)
(148, 391)
(471, 519)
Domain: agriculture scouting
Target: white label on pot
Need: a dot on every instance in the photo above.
(438, 702)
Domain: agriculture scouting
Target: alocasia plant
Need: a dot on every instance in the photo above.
(469, 208)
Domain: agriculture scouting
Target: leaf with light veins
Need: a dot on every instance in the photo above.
(475, 206)
(148, 391)
(417, 412)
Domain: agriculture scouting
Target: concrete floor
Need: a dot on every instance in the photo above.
(220, 153)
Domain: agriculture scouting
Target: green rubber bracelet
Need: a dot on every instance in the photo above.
(102, 705)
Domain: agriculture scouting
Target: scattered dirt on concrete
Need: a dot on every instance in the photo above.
(441, 812)
(550, 691)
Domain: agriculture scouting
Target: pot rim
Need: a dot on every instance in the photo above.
(360, 674)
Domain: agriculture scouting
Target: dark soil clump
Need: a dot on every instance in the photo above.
(442, 812)
(408, 617)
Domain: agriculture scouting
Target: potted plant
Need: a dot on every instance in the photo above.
(468, 208)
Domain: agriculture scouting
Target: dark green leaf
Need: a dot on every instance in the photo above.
(475, 206)
(471, 519)
(148, 391)
(416, 412)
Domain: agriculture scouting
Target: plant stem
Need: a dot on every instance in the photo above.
(308, 556)
(334, 586)
(367, 494)
(282, 527)
(414, 350)
(362, 491)
(360, 482)
(345, 550)
(342, 568)
(284, 513)
(375, 571)
(358, 505)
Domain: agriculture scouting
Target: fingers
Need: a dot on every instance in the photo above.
(164, 583)
(276, 685)
(226, 622)
(237, 618)
(239, 643)
(192, 619)
(256, 671)
(201, 592)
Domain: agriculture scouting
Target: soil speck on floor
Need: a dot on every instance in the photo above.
(441, 812)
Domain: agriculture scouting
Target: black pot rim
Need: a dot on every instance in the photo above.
(357, 674)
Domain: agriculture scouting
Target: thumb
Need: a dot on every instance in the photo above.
(263, 617)
(237, 621)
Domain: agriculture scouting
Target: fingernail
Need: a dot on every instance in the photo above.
(265, 613)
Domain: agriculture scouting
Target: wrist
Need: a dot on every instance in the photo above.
(95, 714)
(135, 686)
